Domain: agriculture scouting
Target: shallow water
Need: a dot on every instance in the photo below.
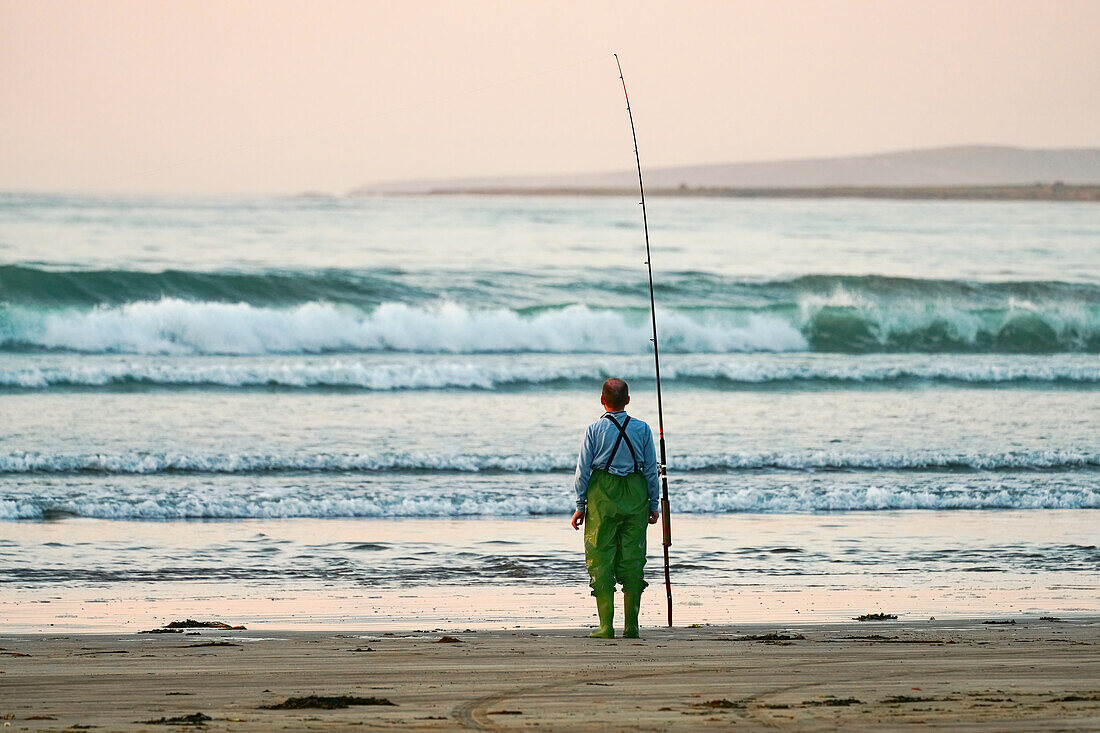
(488, 573)
(872, 372)
(912, 548)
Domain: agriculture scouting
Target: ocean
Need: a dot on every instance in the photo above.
(389, 393)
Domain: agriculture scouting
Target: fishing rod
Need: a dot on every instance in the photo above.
(666, 522)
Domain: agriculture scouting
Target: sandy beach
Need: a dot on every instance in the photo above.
(960, 675)
(346, 349)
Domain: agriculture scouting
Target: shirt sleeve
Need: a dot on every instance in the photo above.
(649, 450)
(584, 469)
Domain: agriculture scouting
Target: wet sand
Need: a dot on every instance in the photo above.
(958, 675)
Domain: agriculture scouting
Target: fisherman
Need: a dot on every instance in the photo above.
(617, 495)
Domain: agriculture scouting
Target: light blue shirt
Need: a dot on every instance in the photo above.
(599, 439)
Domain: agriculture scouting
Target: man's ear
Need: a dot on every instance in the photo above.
(627, 401)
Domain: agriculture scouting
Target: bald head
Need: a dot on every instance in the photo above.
(615, 394)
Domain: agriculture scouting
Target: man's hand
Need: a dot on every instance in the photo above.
(578, 520)
(653, 517)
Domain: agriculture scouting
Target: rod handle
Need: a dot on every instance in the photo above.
(666, 522)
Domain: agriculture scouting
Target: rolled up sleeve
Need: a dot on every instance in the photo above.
(584, 469)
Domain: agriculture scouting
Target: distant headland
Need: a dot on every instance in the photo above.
(962, 172)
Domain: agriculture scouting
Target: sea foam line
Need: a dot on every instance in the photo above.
(470, 375)
(696, 500)
(155, 463)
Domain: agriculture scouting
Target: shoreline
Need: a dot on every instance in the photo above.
(852, 676)
(96, 575)
(134, 607)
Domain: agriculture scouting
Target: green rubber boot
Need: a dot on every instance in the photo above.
(632, 603)
(605, 606)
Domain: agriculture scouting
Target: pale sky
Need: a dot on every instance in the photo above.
(284, 97)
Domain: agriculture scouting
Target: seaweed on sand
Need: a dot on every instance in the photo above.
(198, 719)
(209, 643)
(326, 702)
(834, 702)
(769, 637)
(720, 704)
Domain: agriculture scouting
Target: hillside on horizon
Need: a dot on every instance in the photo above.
(964, 165)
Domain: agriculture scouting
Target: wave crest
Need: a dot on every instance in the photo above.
(200, 504)
(156, 463)
(339, 373)
(850, 322)
(179, 312)
(181, 327)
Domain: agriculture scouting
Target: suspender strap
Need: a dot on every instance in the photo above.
(620, 439)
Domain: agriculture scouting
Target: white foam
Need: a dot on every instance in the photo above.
(479, 375)
(154, 463)
(172, 326)
(470, 503)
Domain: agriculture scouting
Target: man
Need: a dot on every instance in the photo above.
(617, 494)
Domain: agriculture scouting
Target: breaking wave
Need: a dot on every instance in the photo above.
(851, 322)
(181, 327)
(838, 323)
(226, 312)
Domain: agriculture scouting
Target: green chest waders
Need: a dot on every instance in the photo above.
(615, 524)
